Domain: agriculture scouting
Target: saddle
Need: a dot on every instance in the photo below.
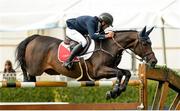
(65, 48)
(73, 43)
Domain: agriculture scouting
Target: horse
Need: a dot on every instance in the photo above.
(37, 54)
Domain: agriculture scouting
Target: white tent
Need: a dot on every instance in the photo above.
(127, 13)
(171, 15)
(18, 15)
(21, 15)
(24, 15)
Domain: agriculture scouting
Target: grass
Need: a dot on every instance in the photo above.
(26, 95)
(72, 95)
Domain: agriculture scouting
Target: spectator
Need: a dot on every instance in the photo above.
(8, 67)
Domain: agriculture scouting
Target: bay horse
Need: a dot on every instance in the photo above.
(37, 54)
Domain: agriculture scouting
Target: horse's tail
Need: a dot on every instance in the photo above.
(21, 49)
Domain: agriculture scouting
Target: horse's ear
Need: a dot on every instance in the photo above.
(149, 31)
(143, 32)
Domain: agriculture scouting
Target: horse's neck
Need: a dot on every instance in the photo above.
(106, 46)
(109, 46)
(126, 39)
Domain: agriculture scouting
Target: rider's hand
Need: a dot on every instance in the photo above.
(109, 34)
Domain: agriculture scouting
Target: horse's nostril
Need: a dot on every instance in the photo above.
(153, 63)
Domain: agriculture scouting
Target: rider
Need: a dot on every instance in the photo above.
(78, 27)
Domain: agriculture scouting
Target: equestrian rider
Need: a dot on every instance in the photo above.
(78, 27)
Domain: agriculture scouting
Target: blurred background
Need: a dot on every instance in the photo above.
(22, 18)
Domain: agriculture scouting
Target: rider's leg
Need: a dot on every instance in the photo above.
(74, 35)
(76, 50)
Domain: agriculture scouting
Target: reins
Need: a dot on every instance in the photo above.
(120, 46)
(101, 49)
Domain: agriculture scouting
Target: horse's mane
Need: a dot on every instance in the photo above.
(116, 31)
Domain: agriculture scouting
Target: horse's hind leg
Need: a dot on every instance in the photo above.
(32, 78)
(26, 77)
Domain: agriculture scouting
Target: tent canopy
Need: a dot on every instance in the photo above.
(128, 14)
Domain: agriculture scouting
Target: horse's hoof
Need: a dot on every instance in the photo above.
(69, 66)
(108, 95)
(111, 95)
(26, 80)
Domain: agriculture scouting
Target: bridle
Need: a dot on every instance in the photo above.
(134, 47)
(143, 58)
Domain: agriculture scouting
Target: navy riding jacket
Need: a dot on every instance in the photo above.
(86, 25)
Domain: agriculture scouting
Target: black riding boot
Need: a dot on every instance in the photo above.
(76, 50)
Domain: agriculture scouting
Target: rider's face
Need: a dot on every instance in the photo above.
(104, 25)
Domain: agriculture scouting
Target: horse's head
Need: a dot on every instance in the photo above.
(143, 47)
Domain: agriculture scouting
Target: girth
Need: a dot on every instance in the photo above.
(84, 71)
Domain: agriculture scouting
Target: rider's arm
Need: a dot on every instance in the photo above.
(92, 32)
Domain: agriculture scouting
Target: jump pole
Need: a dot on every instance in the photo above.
(5, 84)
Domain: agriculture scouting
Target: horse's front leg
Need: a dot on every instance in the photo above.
(127, 75)
(120, 87)
(108, 72)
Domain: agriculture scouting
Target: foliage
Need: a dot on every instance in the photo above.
(164, 67)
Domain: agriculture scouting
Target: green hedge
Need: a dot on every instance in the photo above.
(75, 95)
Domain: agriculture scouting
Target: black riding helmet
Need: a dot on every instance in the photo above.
(107, 18)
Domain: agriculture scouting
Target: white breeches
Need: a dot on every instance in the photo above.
(76, 36)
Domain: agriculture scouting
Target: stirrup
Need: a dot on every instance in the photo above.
(68, 65)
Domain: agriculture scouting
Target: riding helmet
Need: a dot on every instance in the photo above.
(107, 18)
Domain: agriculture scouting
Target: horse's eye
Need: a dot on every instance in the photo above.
(144, 43)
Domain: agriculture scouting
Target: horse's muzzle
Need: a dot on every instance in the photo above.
(151, 60)
(153, 63)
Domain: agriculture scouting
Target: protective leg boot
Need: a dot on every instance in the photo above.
(76, 50)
